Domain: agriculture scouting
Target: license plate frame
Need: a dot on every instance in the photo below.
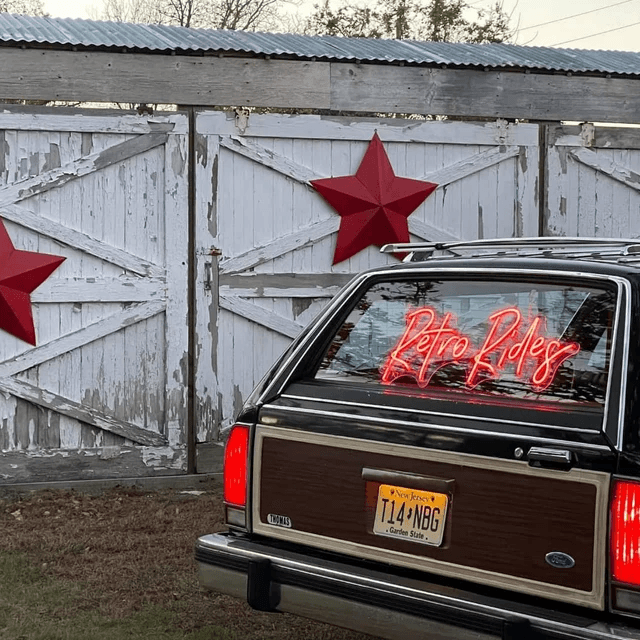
(414, 515)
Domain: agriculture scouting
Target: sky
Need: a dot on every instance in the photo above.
(580, 24)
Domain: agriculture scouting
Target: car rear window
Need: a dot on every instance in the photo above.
(538, 344)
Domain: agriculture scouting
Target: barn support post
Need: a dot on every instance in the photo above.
(544, 127)
(542, 177)
(191, 296)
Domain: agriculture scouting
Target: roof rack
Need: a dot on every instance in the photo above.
(507, 247)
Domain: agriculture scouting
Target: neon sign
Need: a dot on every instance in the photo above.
(430, 343)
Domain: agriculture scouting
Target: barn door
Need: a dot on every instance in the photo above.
(103, 391)
(266, 238)
(593, 186)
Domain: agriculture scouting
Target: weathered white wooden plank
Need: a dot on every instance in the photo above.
(78, 240)
(467, 167)
(107, 462)
(71, 409)
(206, 327)
(291, 281)
(269, 158)
(267, 252)
(271, 292)
(528, 211)
(261, 316)
(76, 339)
(311, 127)
(607, 166)
(179, 307)
(91, 121)
(426, 231)
(122, 289)
(59, 176)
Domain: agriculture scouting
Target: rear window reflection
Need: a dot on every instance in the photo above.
(476, 340)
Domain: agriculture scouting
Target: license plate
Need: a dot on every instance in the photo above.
(410, 514)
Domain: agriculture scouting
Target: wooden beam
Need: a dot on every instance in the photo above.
(187, 80)
(279, 247)
(122, 289)
(270, 159)
(263, 317)
(269, 292)
(607, 166)
(593, 137)
(97, 76)
(492, 94)
(78, 240)
(81, 337)
(72, 409)
(429, 232)
(21, 118)
(304, 175)
(251, 281)
(467, 167)
(274, 125)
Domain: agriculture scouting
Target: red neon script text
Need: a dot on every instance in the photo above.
(429, 343)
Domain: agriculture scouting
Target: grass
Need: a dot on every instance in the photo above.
(120, 565)
(35, 606)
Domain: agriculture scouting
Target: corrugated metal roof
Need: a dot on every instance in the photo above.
(90, 34)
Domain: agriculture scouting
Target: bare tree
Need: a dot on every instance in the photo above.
(127, 11)
(26, 7)
(245, 15)
(436, 20)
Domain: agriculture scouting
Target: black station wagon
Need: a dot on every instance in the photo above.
(450, 450)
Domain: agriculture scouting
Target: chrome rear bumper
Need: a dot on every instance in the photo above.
(374, 602)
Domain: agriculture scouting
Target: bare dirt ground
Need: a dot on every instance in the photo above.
(129, 548)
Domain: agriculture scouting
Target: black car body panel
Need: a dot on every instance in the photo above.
(463, 420)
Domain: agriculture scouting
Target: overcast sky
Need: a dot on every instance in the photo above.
(602, 24)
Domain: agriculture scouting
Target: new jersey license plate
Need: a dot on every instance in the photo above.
(410, 514)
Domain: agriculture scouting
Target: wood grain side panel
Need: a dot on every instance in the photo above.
(498, 521)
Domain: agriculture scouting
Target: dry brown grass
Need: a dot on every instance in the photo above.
(128, 549)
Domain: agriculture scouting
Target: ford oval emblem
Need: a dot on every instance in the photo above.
(560, 560)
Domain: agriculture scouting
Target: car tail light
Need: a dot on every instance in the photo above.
(235, 468)
(625, 546)
(625, 532)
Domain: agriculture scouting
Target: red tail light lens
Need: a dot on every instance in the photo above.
(625, 532)
(235, 466)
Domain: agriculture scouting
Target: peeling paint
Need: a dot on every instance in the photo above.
(522, 159)
(206, 419)
(212, 211)
(52, 158)
(562, 156)
(300, 305)
(165, 457)
(5, 150)
(34, 164)
(87, 144)
(519, 221)
(178, 161)
(238, 401)
(201, 149)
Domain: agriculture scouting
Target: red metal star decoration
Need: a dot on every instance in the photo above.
(374, 204)
(20, 273)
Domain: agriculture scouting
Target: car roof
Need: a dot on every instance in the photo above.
(605, 256)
